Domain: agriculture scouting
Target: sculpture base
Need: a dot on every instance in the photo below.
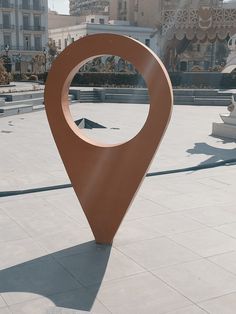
(224, 130)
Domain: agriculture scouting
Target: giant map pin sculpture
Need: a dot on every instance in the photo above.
(106, 177)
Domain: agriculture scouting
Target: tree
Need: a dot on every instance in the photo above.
(4, 75)
(52, 51)
(38, 63)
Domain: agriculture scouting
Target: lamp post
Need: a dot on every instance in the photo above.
(19, 57)
(45, 59)
(7, 60)
(6, 48)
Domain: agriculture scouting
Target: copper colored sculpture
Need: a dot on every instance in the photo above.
(106, 177)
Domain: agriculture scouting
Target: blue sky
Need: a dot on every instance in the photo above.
(61, 6)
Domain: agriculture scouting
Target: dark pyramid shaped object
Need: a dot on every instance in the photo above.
(88, 124)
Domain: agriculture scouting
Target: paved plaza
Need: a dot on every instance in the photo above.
(175, 252)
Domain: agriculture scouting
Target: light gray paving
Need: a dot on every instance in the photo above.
(5, 310)
(189, 310)
(198, 280)
(175, 252)
(2, 302)
(225, 304)
(140, 294)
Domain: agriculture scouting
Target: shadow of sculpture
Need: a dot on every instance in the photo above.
(216, 154)
(70, 278)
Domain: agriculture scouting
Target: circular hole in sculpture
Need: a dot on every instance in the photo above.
(109, 100)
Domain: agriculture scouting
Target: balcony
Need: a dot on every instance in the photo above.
(15, 49)
(32, 8)
(6, 5)
(33, 28)
(7, 27)
(40, 8)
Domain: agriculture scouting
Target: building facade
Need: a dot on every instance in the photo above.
(23, 31)
(137, 12)
(195, 34)
(56, 20)
(87, 7)
(66, 35)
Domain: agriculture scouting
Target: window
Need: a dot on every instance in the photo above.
(101, 21)
(38, 43)
(25, 4)
(59, 43)
(37, 22)
(5, 3)
(36, 5)
(7, 40)
(6, 17)
(147, 42)
(27, 42)
(26, 21)
(92, 20)
(65, 41)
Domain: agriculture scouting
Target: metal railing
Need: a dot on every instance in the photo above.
(7, 26)
(20, 48)
(6, 5)
(31, 8)
(32, 28)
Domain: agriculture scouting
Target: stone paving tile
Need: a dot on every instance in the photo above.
(199, 280)
(141, 293)
(226, 261)
(37, 306)
(81, 301)
(66, 202)
(4, 219)
(69, 237)
(229, 229)
(102, 264)
(12, 232)
(9, 229)
(5, 310)
(35, 278)
(158, 252)
(2, 302)
(142, 207)
(192, 200)
(205, 242)
(223, 305)
(214, 183)
(170, 223)
(43, 221)
(189, 310)
(71, 302)
(213, 216)
(20, 251)
(134, 231)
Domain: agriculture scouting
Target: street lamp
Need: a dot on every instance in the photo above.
(45, 58)
(6, 48)
(7, 60)
(19, 57)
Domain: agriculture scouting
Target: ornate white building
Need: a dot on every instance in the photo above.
(23, 31)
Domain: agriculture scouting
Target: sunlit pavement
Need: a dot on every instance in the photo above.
(175, 252)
